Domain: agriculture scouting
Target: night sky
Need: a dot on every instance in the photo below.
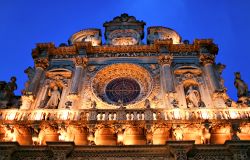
(27, 22)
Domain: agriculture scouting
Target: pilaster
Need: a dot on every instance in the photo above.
(207, 60)
(80, 65)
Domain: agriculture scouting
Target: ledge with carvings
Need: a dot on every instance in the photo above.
(51, 49)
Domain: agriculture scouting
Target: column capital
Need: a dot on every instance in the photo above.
(165, 59)
(42, 63)
(206, 59)
(81, 61)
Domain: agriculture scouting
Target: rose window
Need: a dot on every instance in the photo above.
(123, 90)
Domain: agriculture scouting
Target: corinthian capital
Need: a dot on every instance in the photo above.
(206, 59)
(165, 59)
(81, 61)
(42, 63)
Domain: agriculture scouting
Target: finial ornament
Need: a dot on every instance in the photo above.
(241, 86)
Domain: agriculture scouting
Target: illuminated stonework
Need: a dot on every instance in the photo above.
(122, 99)
(122, 70)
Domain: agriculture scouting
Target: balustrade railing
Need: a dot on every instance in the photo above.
(124, 114)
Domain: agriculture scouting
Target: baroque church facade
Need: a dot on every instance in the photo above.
(123, 99)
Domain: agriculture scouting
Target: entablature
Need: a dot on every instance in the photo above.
(177, 49)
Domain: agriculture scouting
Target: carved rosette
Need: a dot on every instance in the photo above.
(165, 60)
(81, 61)
(206, 59)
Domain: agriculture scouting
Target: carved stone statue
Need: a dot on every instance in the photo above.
(10, 88)
(121, 104)
(193, 97)
(241, 86)
(178, 133)
(147, 103)
(7, 95)
(54, 98)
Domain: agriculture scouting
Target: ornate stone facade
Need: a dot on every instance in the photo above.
(125, 100)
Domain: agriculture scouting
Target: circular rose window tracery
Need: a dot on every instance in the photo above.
(129, 82)
(123, 90)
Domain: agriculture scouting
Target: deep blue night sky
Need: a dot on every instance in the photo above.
(27, 22)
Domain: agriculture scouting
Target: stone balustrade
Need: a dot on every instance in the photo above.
(124, 114)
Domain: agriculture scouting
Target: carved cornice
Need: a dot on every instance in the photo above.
(40, 47)
(206, 59)
(165, 59)
(42, 63)
(154, 48)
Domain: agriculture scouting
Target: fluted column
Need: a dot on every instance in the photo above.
(166, 78)
(165, 72)
(41, 64)
(28, 98)
(207, 61)
(81, 64)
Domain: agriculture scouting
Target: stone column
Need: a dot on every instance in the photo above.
(81, 64)
(166, 78)
(27, 99)
(166, 75)
(207, 60)
(41, 64)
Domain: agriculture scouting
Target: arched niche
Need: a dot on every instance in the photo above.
(190, 81)
(55, 78)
